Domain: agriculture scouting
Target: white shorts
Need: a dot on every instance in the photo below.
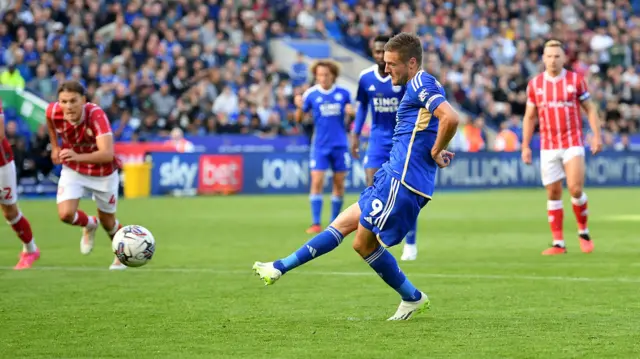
(8, 184)
(104, 190)
(552, 163)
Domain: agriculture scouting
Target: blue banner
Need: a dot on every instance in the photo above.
(174, 172)
(484, 170)
(288, 173)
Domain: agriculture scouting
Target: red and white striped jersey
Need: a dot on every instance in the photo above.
(557, 100)
(6, 154)
(81, 137)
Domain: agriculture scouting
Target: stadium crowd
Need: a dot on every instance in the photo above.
(204, 65)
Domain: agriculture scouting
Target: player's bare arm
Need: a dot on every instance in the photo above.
(449, 120)
(53, 139)
(299, 115)
(594, 122)
(528, 124)
(104, 154)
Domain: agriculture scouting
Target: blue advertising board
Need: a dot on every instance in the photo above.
(174, 172)
(288, 173)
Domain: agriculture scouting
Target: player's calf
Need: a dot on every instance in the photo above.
(109, 223)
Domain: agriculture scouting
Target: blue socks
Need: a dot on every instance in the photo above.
(321, 244)
(316, 208)
(336, 206)
(386, 266)
(411, 236)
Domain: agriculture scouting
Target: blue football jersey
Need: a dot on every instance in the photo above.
(378, 94)
(415, 133)
(328, 111)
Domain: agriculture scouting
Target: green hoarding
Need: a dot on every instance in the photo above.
(28, 106)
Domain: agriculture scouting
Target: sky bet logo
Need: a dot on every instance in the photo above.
(178, 174)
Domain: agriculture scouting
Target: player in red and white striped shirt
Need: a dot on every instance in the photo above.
(89, 165)
(9, 199)
(557, 95)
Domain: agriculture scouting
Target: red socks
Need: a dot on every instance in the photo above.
(556, 216)
(580, 210)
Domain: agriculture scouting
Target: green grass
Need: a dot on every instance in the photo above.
(493, 295)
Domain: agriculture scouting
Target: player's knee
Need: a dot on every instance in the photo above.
(107, 220)
(575, 190)
(67, 216)
(10, 212)
(364, 247)
(554, 192)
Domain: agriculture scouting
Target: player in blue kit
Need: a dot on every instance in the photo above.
(387, 210)
(329, 105)
(376, 92)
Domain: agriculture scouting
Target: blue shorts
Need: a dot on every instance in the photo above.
(338, 159)
(389, 209)
(376, 155)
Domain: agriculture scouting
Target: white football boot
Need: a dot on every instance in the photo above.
(88, 238)
(267, 272)
(406, 310)
(410, 252)
(116, 265)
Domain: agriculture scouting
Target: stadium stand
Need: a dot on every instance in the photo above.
(205, 65)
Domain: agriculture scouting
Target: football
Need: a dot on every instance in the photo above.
(134, 245)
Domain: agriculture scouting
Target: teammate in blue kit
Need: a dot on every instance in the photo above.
(329, 105)
(376, 92)
(387, 210)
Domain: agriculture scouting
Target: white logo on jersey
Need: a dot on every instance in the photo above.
(330, 109)
(385, 104)
(557, 104)
(396, 89)
(423, 95)
(319, 99)
(571, 89)
(371, 88)
(338, 97)
(89, 132)
(539, 92)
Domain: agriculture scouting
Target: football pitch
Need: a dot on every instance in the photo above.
(493, 295)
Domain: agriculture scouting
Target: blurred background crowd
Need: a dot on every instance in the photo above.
(204, 65)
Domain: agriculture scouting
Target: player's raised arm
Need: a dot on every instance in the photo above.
(592, 115)
(528, 124)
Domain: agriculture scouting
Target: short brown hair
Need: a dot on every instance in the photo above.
(407, 45)
(72, 86)
(330, 64)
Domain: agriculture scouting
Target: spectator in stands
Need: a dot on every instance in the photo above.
(178, 141)
(506, 140)
(11, 77)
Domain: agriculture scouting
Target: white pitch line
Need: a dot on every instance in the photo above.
(350, 274)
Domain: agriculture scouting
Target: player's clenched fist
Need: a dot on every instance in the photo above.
(443, 159)
(526, 155)
(55, 156)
